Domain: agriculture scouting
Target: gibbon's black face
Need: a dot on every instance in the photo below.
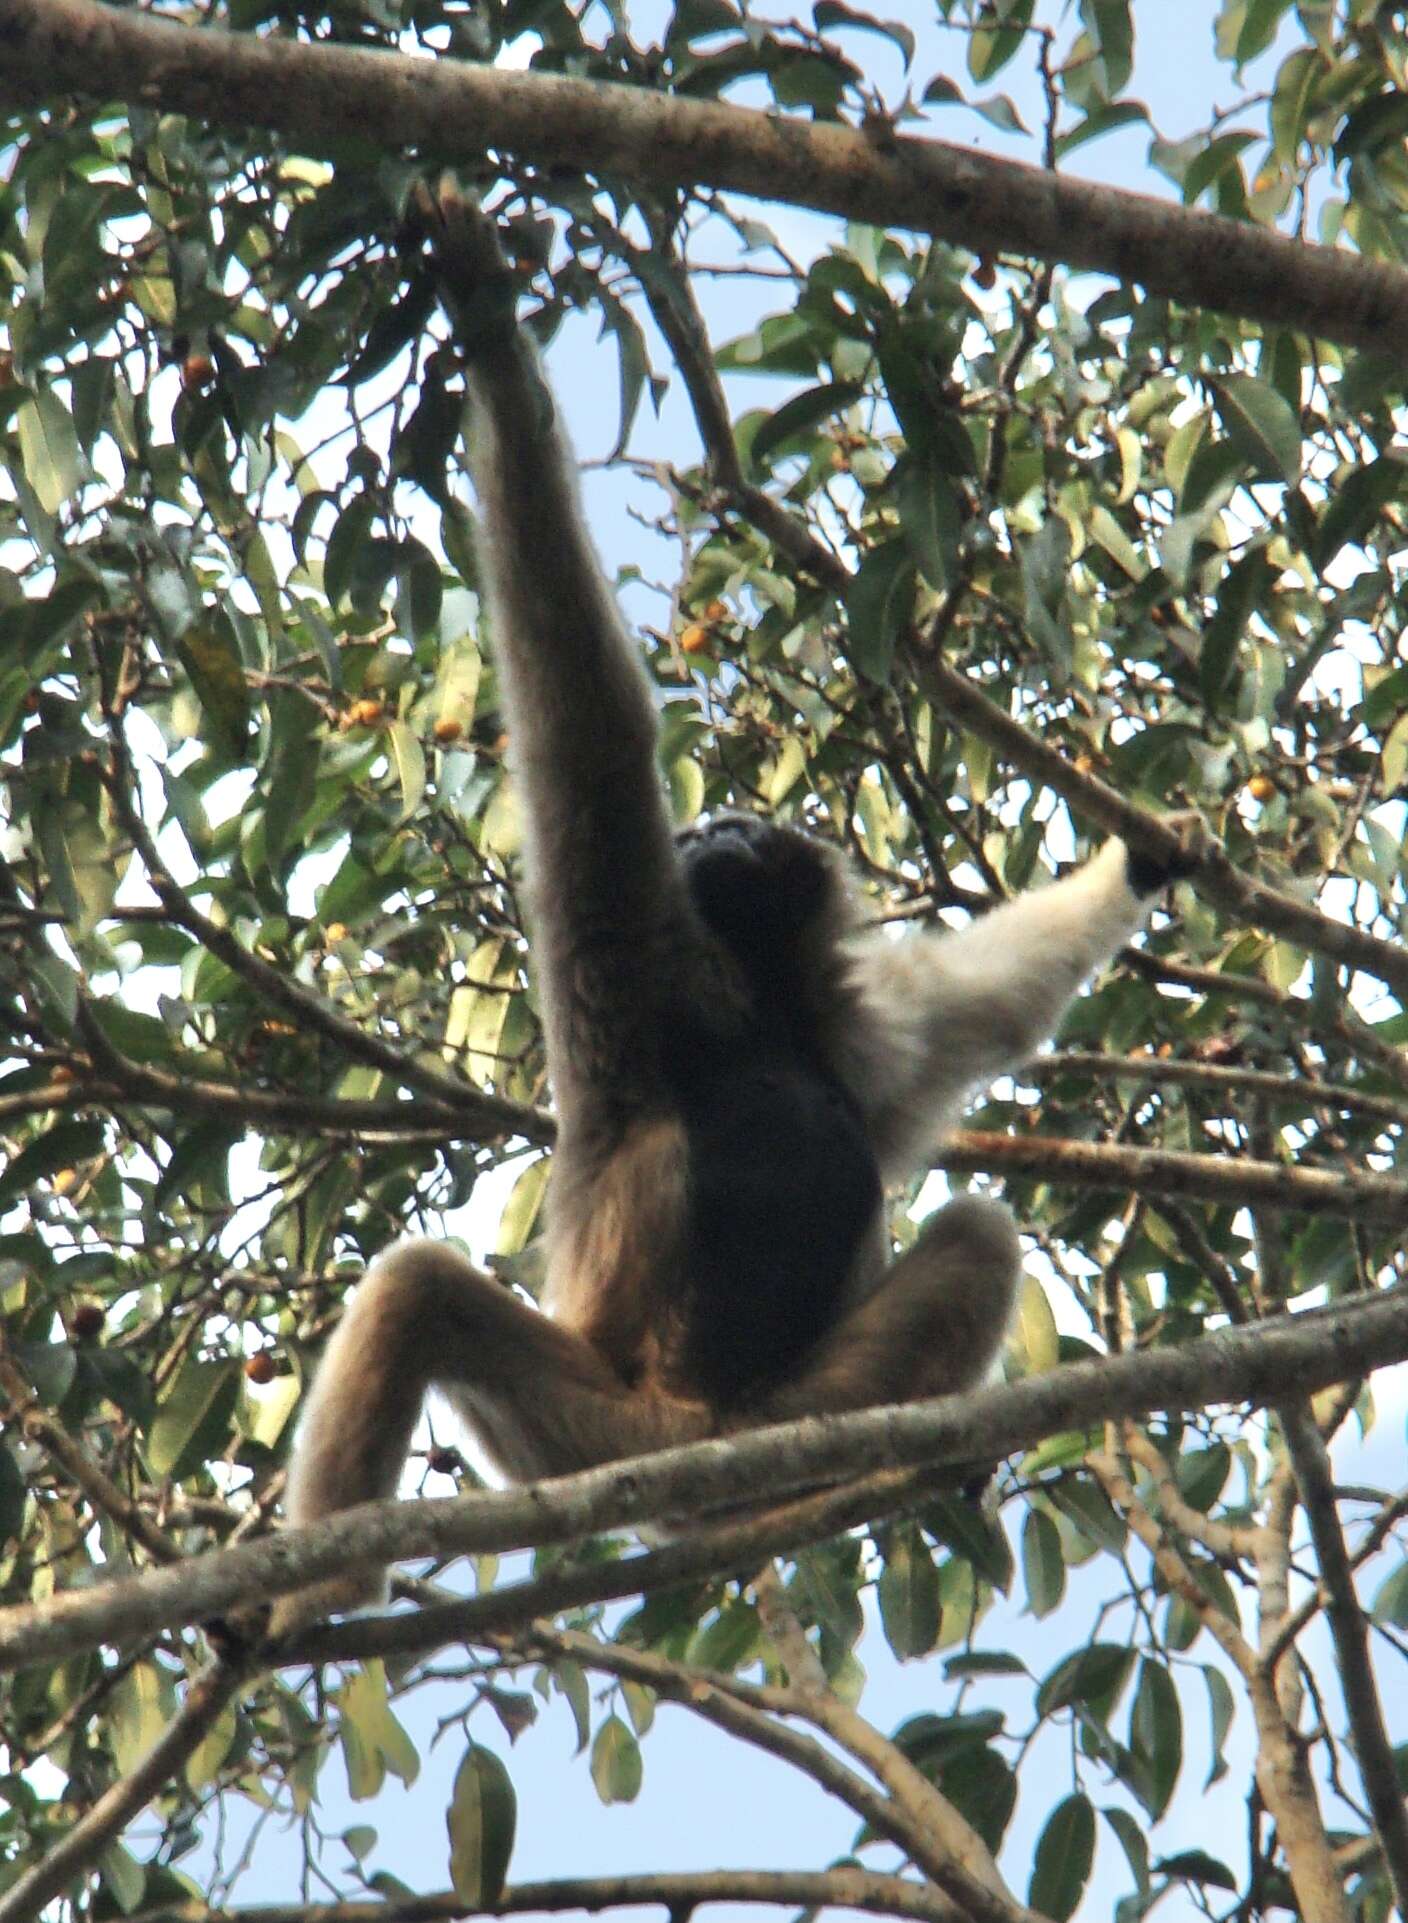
(757, 886)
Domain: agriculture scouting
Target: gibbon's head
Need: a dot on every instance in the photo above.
(765, 890)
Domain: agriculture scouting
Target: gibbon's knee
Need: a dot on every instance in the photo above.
(538, 1398)
(935, 1324)
(365, 1401)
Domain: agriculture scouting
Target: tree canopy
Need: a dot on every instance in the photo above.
(1016, 511)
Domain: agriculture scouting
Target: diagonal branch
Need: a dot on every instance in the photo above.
(115, 1808)
(458, 109)
(22, 1413)
(1215, 876)
(1301, 1090)
(1372, 1748)
(1257, 1365)
(1204, 1178)
(911, 1813)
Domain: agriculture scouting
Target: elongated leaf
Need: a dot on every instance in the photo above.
(803, 411)
(1156, 1734)
(909, 1596)
(1262, 422)
(879, 608)
(53, 460)
(481, 1819)
(1064, 1855)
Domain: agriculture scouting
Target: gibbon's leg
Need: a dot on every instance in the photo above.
(968, 1004)
(539, 1399)
(935, 1324)
(610, 921)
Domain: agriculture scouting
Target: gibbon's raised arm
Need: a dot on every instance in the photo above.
(606, 894)
(981, 999)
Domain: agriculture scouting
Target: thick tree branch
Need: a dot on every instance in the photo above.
(844, 1888)
(52, 47)
(1205, 1178)
(731, 1549)
(1296, 1353)
(1373, 1750)
(1075, 1164)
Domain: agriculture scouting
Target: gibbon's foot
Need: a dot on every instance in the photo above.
(304, 1607)
(1148, 875)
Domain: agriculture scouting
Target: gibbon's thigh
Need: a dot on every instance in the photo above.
(935, 1324)
(540, 1400)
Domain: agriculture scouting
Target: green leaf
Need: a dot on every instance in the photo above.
(1222, 1708)
(1353, 508)
(1064, 1855)
(481, 1820)
(1043, 1565)
(982, 1787)
(1262, 422)
(1391, 1598)
(12, 1496)
(192, 1420)
(572, 1683)
(879, 608)
(210, 654)
(999, 111)
(1102, 120)
(1086, 1506)
(964, 1528)
(1202, 1474)
(123, 1876)
(1132, 1842)
(909, 1595)
(53, 461)
(1243, 587)
(1156, 1734)
(137, 1713)
(932, 513)
(633, 367)
(1196, 1866)
(833, 13)
(409, 758)
(372, 1740)
(990, 48)
(1111, 28)
(984, 1662)
(803, 412)
(203, 1764)
(1093, 1677)
(64, 1146)
(616, 1763)
(1291, 101)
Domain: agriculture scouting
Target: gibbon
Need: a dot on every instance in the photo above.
(738, 1069)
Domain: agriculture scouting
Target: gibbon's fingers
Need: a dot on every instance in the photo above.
(539, 1400)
